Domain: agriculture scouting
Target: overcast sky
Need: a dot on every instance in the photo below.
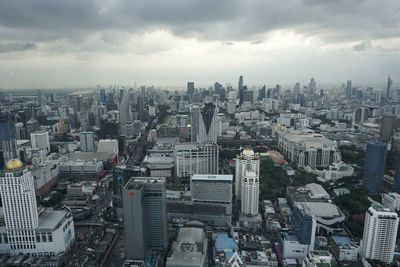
(67, 43)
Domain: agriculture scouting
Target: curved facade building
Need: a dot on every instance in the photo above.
(125, 115)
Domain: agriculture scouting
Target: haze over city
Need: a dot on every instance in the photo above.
(46, 44)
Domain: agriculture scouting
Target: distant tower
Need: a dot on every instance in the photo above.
(296, 89)
(374, 167)
(208, 127)
(240, 89)
(380, 232)
(389, 88)
(8, 142)
(312, 87)
(349, 89)
(190, 88)
(40, 140)
(245, 161)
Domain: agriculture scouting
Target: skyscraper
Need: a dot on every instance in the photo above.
(8, 142)
(190, 88)
(195, 123)
(125, 115)
(296, 89)
(312, 87)
(380, 233)
(247, 160)
(349, 89)
(145, 216)
(208, 127)
(387, 126)
(374, 167)
(389, 88)
(240, 89)
(250, 186)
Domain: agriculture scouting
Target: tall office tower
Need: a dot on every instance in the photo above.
(248, 96)
(349, 89)
(374, 167)
(190, 88)
(195, 123)
(125, 115)
(389, 88)
(142, 91)
(262, 93)
(208, 126)
(380, 233)
(312, 87)
(212, 189)
(140, 108)
(387, 127)
(194, 158)
(145, 216)
(19, 201)
(240, 90)
(247, 160)
(40, 140)
(250, 189)
(20, 131)
(87, 141)
(8, 142)
(296, 88)
(103, 97)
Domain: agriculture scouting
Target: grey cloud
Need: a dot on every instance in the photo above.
(6, 47)
(363, 46)
(224, 20)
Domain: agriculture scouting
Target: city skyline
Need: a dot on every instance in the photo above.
(74, 44)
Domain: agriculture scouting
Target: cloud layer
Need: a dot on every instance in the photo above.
(69, 32)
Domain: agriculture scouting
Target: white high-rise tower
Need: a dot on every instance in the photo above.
(250, 187)
(19, 202)
(380, 233)
(245, 161)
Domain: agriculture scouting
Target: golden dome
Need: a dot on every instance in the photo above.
(14, 164)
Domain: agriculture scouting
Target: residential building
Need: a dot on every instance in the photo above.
(250, 187)
(380, 233)
(247, 160)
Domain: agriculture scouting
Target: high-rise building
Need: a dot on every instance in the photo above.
(28, 231)
(349, 89)
(374, 167)
(312, 87)
(145, 216)
(195, 123)
(40, 140)
(212, 189)
(380, 233)
(190, 88)
(389, 88)
(248, 96)
(208, 126)
(240, 90)
(250, 189)
(8, 142)
(140, 108)
(247, 160)
(296, 89)
(125, 115)
(195, 158)
(87, 141)
(387, 127)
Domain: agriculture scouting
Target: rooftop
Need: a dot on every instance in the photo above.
(50, 219)
(212, 177)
